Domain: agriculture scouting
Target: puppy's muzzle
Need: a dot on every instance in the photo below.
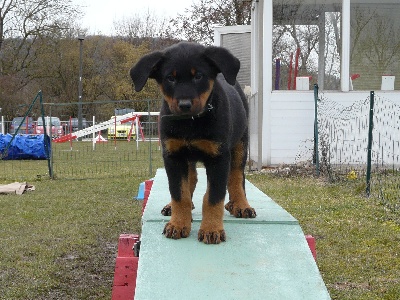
(185, 105)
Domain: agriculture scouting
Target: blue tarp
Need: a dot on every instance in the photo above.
(23, 146)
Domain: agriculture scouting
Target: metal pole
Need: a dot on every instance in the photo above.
(2, 124)
(316, 154)
(94, 133)
(80, 38)
(370, 128)
(50, 141)
(150, 154)
(46, 138)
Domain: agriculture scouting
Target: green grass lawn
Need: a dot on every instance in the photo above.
(358, 244)
(60, 241)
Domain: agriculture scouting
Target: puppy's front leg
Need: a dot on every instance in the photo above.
(212, 226)
(180, 223)
(166, 211)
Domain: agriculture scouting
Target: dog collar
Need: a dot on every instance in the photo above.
(208, 109)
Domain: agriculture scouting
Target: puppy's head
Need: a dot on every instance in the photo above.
(186, 73)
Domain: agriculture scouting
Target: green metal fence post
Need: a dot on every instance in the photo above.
(369, 154)
(50, 142)
(46, 138)
(316, 154)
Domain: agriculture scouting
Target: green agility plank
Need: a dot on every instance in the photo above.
(262, 258)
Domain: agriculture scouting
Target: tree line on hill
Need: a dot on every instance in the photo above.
(39, 50)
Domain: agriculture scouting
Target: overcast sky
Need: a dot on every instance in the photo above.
(99, 15)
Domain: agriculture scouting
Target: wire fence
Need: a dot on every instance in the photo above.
(361, 140)
(342, 139)
(124, 147)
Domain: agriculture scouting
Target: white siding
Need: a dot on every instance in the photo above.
(292, 121)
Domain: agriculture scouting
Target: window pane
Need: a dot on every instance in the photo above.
(306, 43)
(375, 44)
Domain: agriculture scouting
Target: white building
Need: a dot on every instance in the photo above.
(347, 47)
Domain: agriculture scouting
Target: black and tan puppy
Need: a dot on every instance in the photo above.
(204, 117)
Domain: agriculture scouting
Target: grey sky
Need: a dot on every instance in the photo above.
(101, 14)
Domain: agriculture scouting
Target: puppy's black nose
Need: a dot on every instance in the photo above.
(185, 105)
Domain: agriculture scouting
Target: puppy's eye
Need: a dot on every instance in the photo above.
(171, 78)
(198, 76)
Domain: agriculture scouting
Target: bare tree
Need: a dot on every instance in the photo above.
(142, 25)
(24, 21)
(375, 47)
(145, 27)
(25, 25)
(299, 27)
(198, 21)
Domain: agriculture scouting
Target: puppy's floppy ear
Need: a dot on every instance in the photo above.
(145, 68)
(225, 62)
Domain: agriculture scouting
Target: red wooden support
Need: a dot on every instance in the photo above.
(125, 278)
(126, 243)
(126, 266)
(311, 243)
(65, 138)
(147, 188)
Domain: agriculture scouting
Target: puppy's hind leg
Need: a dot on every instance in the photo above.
(238, 204)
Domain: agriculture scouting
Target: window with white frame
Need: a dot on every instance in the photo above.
(306, 44)
(375, 44)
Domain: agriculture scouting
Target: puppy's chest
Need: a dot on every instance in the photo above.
(193, 146)
(196, 137)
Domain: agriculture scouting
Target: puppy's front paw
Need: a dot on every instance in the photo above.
(240, 212)
(166, 211)
(174, 231)
(211, 237)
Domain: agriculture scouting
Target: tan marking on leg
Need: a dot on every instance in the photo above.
(235, 186)
(238, 204)
(181, 214)
(237, 156)
(192, 177)
(192, 181)
(212, 226)
(235, 180)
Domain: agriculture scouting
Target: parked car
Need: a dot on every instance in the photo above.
(27, 126)
(56, 127)
(74, 124)
(122, 130)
